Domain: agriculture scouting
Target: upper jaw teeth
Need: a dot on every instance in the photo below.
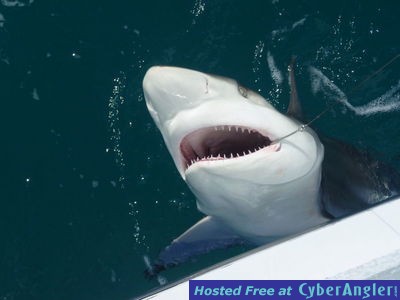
(230, 128)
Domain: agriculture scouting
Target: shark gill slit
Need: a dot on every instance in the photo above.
(221, 143)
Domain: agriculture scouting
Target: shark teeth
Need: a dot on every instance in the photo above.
(239, 129)
(224, 156)
(223, 142)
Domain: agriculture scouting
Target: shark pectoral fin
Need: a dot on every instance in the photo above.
(206, 235)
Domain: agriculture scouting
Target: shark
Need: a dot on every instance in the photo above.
(257, 174)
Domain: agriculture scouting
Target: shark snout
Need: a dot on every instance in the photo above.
(168, 90)
(175, 83)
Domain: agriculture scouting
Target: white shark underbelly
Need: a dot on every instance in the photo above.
(261, 212)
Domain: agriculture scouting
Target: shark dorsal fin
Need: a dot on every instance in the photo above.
(294, 109)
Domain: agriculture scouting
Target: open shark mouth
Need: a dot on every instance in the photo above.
(221, 143)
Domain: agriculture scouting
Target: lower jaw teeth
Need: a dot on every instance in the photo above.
(220, 157)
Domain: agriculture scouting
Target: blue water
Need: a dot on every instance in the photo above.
(88, 187)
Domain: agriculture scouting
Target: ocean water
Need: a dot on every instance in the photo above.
(88, 190)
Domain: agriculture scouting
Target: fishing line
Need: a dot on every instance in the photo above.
(302, 127)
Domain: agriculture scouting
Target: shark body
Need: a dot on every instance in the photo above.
(222, 136)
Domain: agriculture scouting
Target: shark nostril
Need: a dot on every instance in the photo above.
(221, 143)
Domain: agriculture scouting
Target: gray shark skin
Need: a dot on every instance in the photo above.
(251, 190)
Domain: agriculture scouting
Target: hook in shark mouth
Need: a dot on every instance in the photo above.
(221, 143)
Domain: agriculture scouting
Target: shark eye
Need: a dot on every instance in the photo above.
(242, 90)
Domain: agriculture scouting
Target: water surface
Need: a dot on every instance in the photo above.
(88, 187)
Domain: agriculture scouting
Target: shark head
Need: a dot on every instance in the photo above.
(220, 136)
